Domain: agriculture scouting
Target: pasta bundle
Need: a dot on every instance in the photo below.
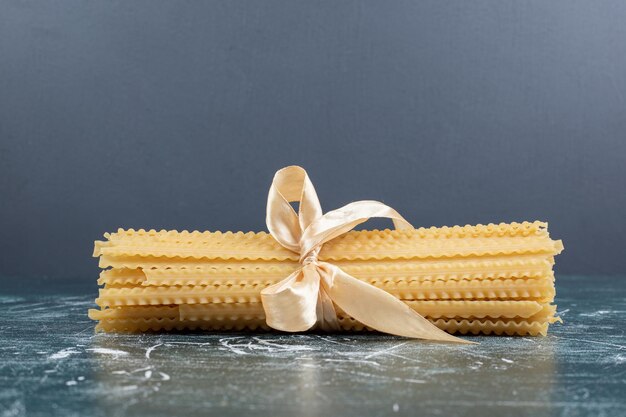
(490, 279)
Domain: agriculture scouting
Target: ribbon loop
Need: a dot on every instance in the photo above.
(291, 184)
(337, 222)
(308, 296)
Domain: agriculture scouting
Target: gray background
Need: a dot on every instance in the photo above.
(176, 115)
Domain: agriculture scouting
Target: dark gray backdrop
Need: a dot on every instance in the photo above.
(176, 115)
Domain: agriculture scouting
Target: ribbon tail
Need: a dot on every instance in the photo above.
(326, 314)
(291, 304)
(378, 309)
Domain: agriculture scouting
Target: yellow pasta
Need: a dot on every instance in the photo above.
(496, 327)
(234, 311)
(169, 324)
(463, 326)
(351, 250)
(528, 312)
(364, 245)
(503, 266)
(489, 279)
(371, 271)
(507, 289)
(536, 228)
(135, 312)
(433, 309)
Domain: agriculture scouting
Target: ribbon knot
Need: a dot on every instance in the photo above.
(311, 257)
(308, 296)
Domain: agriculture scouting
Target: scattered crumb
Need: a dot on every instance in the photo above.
(62, 354)
(105, 351)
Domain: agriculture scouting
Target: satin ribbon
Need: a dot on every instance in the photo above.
(307, 296)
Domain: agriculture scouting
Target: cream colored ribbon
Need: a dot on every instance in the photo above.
(305, 298)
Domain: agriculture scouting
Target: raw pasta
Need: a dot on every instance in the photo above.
(489, 279)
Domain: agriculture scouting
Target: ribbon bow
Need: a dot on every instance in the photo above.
(307, 296)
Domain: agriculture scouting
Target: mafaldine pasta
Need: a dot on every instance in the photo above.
(484, 279)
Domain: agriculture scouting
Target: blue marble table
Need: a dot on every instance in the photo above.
(52, 364)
